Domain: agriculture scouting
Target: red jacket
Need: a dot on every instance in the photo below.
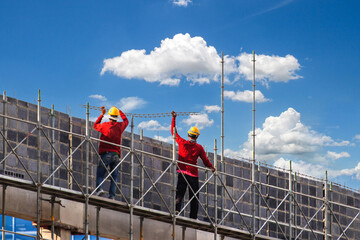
(189, 151)
(111, 132)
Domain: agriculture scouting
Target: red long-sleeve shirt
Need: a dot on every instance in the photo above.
(189, 151)
(111, 132)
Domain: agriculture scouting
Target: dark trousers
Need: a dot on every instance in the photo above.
(110, 160)
(180, 192)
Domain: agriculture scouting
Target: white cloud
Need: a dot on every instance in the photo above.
(180, 56)
(131, 103)
(181, 3)
(153, 125)
(313, 170)
(200, 121)
(317, 170)
(190, 58)
(168, 139)
(98, 97)
(286, 135)
(269, 68)
(245, 96)
(173, 82)
(334, 156)
(357, 137)
(212, 108)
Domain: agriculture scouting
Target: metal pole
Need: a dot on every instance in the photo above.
(87, 136)
(326, 202)
(3, 211)
(4, 130)
(131, 230)
(222, 164)
(174, 182)
(142, 169)
(38, 196)
(4, 166)
(52, 114)
(215, 192)
(97, 222)
(206, 187)
(141, 228)
(331, 215)
(52, 200)
(70, 180)
(253, 153)
(294, 197)
(290, 202)
(142, 183)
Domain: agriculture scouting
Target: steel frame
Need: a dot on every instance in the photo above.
(287, 228)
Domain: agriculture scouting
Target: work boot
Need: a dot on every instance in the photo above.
(99, 192)
(112, 197)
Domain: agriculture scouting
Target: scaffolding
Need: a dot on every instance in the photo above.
(298, 222)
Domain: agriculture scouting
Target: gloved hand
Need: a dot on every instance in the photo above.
(173, 113)
(103, 110)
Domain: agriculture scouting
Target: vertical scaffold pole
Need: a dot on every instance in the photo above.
(38, 197)
(215, 192)
(4, 165)
(87, 154)
(206, 186)
(52, 164)
(142, 169)
(131, 231)
(97, 222)
(52, 201)
(222, 163)
(70, 180)
(3, 211)
(174, 181)
(294, 197)
(326, 201)
(142, 183)
(4, 129)
(290, 202)
(253, 154)
(330, 217)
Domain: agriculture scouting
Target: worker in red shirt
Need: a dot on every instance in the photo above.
(189, 151)
(110, 154)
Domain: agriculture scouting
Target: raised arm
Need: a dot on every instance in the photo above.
(125, 120)
(97, 124)
(173, 125)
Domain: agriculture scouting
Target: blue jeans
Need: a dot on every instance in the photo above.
(110, 159)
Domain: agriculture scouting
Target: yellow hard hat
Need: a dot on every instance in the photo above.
(194, 131)
(113, 111)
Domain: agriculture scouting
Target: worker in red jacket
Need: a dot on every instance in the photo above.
(110, 154)
(189, 151)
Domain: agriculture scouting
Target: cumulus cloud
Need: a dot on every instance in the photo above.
(153, 125)
(286, 135)
(334, 156)
(98, 97)
(357, 137)
(131, 103)
(168, 139)
(317, 170)
(245, 96)
(181, 3)
(212, 108)
(269, 68)
(200, 121)
(182, 55)
(191, 58)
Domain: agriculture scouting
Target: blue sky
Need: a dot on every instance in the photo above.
(163, 55)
